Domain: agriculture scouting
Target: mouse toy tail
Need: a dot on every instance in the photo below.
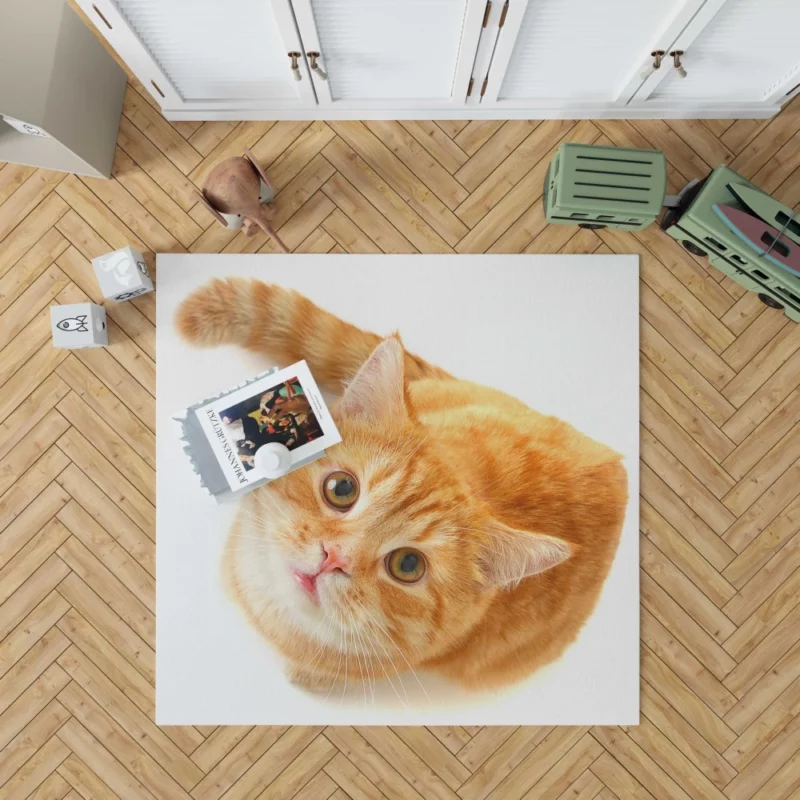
(263, 223)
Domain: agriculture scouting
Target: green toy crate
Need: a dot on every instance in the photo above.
(605, 187)
(700, 230)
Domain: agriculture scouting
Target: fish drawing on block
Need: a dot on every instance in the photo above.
(74, 324)
(764, 239)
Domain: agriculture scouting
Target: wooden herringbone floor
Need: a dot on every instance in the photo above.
(720, 468)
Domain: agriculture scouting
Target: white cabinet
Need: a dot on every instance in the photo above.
(734, 51)
(390, 54)
(207, 54)
(305, 59)
(573, 53)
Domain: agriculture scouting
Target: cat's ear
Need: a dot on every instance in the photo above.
(378, 391)
(510, 554)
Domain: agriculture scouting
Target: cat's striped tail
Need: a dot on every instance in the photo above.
(287, 326)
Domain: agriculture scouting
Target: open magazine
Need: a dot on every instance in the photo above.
(283, 406)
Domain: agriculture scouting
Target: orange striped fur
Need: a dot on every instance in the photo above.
(517, 515)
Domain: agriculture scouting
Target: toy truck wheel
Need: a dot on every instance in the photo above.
(770, 301)
(592, 226)
(693, 248)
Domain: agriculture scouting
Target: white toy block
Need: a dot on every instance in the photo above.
(122, 274)
(78, 325)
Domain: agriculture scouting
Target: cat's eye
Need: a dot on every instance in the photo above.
(340, 490)
(406, 564)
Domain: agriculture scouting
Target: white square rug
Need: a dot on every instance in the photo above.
(560, 334)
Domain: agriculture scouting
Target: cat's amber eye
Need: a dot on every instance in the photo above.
(340, 490)
(406, 564)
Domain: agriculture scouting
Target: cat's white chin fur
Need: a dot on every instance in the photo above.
(272, 590)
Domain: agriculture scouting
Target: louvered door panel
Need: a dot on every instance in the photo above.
(747, 50)
(385, 50)
(581, 50)
(215, 50)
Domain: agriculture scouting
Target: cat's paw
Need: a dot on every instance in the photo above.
(314, 682)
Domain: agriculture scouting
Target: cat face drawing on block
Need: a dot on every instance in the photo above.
(453, 530)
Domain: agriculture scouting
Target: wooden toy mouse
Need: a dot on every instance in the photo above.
(234, 195)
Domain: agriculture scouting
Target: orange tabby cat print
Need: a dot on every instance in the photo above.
(453, 530)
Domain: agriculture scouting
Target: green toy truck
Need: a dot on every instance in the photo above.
(608, 187)
(701, 231)
(605, 187)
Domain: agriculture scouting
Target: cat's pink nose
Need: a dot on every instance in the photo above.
(333, 560)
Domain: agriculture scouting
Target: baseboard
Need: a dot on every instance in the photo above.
(694, 111)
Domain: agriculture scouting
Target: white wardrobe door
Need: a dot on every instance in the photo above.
(389, 49)
(211, 49)
(749, 48)
(582, 49)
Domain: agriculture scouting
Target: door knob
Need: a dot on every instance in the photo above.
(295, 66)
(657, 55)
(313, 56)
(676, 60)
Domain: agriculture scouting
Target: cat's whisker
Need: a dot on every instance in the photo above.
(346, 659)
(246, 514)
(266, 502)
(399, 675)
(259, 555)
(357, 653)
(369, 636)
(339, 657)
(391, 661)
(257, 560)
(260, 539)
(368, 686)
(318, 653)
(354, 633)
(255, 522)
(403, 655)
(372, 661)
(253, 542)
(367, 660)
(264, 553)
(369, 632)
(257, 526)
(274, 508)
